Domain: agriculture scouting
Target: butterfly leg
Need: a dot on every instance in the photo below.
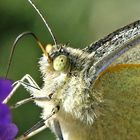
(39, 126)
(32, 86)
(24, 101)
(54, 125)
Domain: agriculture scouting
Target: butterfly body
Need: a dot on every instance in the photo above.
(69, 91)
(90, 109)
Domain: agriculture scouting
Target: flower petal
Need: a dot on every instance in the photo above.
(5, 115)
(5, 88)
(8, 131)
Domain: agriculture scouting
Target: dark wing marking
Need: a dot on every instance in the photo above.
(108, 49)
(115, 38)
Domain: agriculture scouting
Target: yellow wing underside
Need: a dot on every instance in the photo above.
(119, 86)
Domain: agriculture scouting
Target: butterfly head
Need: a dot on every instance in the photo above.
(62, 59)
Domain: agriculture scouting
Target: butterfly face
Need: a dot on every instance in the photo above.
(60, 59)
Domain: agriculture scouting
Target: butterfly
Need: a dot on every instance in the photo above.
(91, 93)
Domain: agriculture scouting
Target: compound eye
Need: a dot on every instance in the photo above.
(61, 63)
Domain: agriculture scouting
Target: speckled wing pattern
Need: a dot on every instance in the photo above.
(121, 43)
(116, 78)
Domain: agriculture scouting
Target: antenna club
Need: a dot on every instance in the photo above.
(49, 48)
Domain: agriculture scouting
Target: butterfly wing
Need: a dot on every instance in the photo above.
(117, 80)
(120, 46)
(119, 109)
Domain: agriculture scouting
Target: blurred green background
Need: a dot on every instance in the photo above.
(78, 22)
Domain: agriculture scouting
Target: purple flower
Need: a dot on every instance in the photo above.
(8, 130)
(5, 88)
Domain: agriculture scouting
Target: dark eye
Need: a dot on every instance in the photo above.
(61, 63)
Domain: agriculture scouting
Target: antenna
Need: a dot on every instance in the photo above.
(46, 23)
(14, 46)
